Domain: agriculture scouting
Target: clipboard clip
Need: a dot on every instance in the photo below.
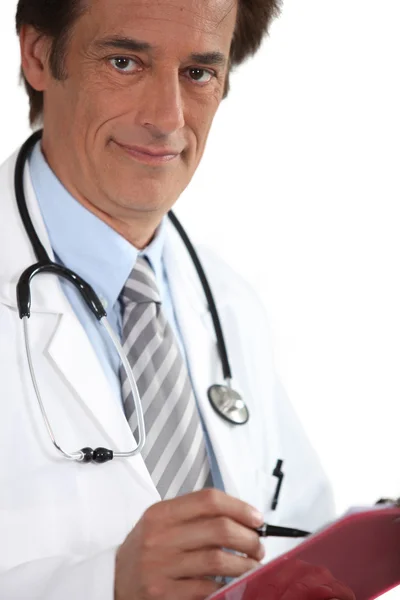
(389, 502)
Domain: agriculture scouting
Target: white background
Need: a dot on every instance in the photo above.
(299, 191)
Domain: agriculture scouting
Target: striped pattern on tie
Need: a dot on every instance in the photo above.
(175, 452)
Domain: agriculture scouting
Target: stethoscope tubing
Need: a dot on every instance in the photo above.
(87, 454)
(209, 295)
(46, 265)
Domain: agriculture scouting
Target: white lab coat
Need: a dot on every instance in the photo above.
(62, 522)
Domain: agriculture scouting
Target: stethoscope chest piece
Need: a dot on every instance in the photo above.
(228, 404)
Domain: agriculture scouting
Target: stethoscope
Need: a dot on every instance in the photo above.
(227, 403)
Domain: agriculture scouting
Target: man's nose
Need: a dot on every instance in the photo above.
(162, 105)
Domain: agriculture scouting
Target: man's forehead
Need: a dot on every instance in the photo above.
(205, 15)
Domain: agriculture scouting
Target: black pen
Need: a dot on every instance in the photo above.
(276, 531)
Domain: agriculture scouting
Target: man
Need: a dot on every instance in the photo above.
(126, 92)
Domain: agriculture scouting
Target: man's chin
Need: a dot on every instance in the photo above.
(146, 200)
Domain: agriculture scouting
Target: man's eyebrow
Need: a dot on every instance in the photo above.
(216, 59)
(124, 43)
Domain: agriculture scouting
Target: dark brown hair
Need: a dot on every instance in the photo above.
(56, 18)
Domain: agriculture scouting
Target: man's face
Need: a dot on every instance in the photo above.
(127, 128)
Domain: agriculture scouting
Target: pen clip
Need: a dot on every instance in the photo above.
(277, 472)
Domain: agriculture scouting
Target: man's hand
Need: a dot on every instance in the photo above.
(177, 547)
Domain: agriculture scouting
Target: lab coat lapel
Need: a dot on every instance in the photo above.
(72, 353)
(230, 443)
(69, 350)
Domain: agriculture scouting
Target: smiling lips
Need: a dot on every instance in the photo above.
(150, 156)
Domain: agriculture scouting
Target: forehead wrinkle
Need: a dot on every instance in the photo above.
(166, 20)
(207, 25)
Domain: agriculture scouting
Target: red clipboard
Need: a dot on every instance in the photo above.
(362, 550)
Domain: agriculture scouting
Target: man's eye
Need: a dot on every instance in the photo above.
(123, 64)
(200, 75)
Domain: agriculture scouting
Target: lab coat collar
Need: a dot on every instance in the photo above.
(182, 276)
(47, 296)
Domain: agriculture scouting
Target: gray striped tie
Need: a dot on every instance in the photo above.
(175, 452)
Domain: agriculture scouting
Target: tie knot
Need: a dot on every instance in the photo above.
(141, 286)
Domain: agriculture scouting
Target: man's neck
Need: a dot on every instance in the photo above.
(138, 231)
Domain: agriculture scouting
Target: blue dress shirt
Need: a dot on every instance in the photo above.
(85, 244)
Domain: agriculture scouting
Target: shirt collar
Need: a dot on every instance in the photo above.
(83, 242)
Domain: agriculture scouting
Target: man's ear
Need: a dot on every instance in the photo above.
(34, 57)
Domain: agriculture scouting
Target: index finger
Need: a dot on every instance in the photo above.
(207, 504)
